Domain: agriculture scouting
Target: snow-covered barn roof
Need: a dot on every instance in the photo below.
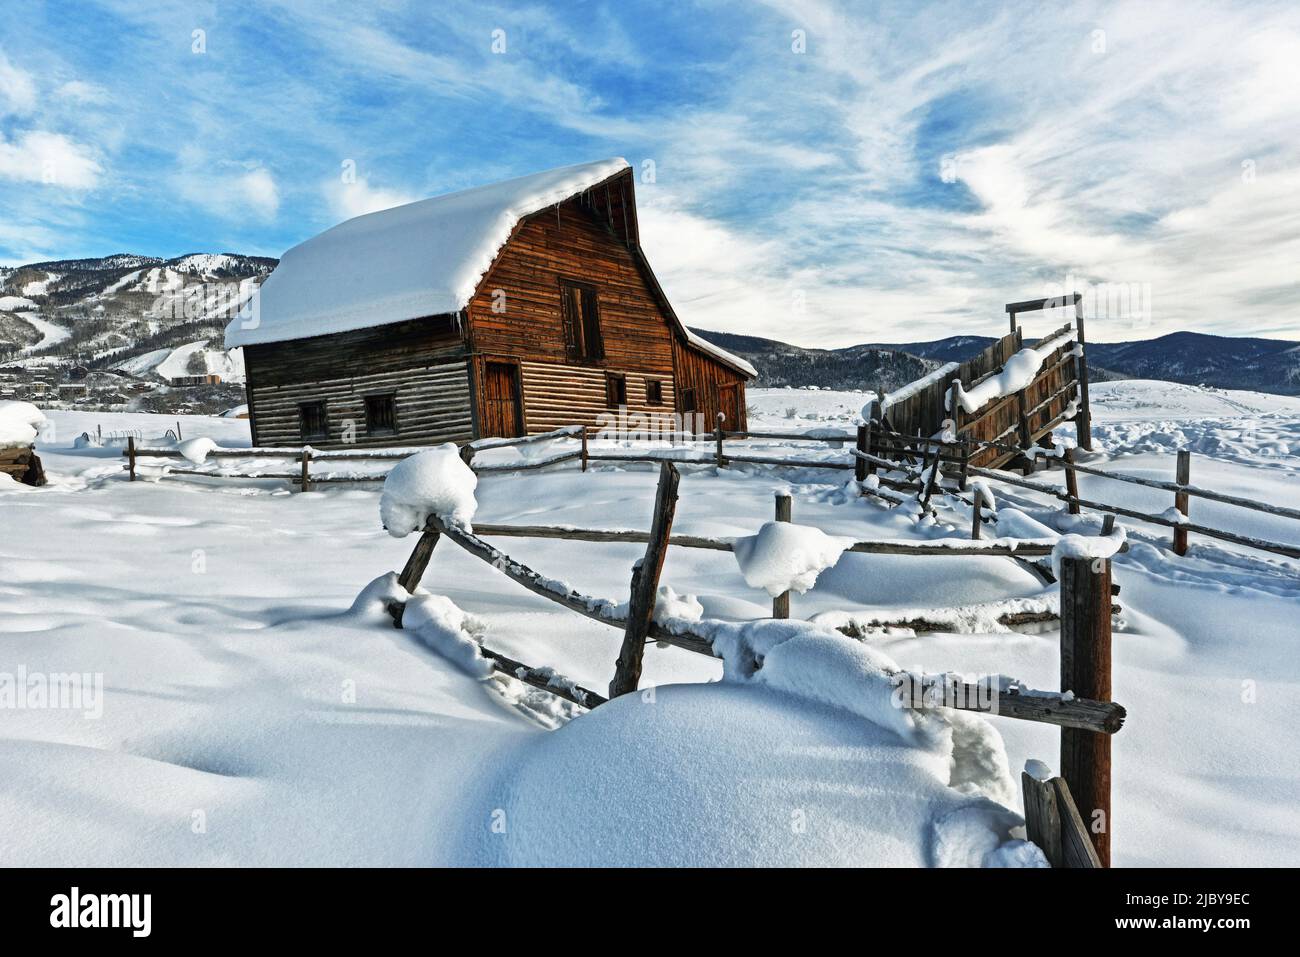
(422, 259)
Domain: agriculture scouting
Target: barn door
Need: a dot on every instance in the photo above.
(502, 411)
(729, 405)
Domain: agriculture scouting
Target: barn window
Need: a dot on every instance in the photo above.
(312, 421)
(615, 389)
(688, 400)
(580, 312)
(654, 392)
(381, 414)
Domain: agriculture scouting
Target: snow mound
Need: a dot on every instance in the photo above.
(440, 625)
(196, 450)
(735, 776)
(14, 303)
(433, 482)
(787, 557)
(19, 423)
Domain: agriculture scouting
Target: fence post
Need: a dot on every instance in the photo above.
(1183, 477)
(1071, 481)
(976, 520)
(645, 585)
(130, 454)
(1085, 671)
(860, 465)
(584, 448)
(306, 474)
(413, 571)
(781, 603)
(717, 432)
(1083, 419)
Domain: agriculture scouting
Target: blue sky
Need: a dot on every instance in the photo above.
(825, 173)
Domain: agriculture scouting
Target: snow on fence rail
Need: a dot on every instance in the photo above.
(1082, 712)
(872, 449)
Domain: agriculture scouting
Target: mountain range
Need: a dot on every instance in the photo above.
(1194, 358)
(139, 314)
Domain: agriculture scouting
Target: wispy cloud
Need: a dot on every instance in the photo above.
(819, 171)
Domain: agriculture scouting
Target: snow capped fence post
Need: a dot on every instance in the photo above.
(130, 453)
(305, 480)
(1183, 476)
(1085, 673)
(717, 432)
(645, 585)
(784, 508)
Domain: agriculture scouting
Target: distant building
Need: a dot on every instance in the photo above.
(190, 380)
(71, 390)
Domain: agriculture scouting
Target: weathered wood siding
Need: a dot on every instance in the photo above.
(421, 363)
(1041, 403)
(710, 379)
(557, 395)
(582, 240)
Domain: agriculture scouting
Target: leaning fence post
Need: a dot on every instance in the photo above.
(413, 571)
(1085, 671)
(306, 474)
(860, 464)
(1183, 476)
(1071, 481)
(130, 455)
(781, 603)
(645, 585)
(717, 432)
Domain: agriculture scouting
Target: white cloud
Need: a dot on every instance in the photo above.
(17, 90)
(228, 189)
(259, 191)
(50, 158)
(347, 200)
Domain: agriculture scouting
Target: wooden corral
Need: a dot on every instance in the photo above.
(568, 325)
(1014, 421)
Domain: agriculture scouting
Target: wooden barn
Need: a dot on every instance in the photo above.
(503, 310)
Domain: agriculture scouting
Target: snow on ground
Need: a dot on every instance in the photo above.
(51, 335)
(251, 714)
(229, 364)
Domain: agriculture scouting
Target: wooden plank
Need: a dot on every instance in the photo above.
(879, 547)
(1042, 817)
(1077, 847)
(645, 585)
(1086, 672)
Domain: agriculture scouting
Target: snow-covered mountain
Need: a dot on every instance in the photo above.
(127, 309)
(1194, 358)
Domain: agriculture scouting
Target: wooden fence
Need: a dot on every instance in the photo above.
(1086, 716)
(929, 406)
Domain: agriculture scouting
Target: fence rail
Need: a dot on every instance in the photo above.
(1085, 609)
